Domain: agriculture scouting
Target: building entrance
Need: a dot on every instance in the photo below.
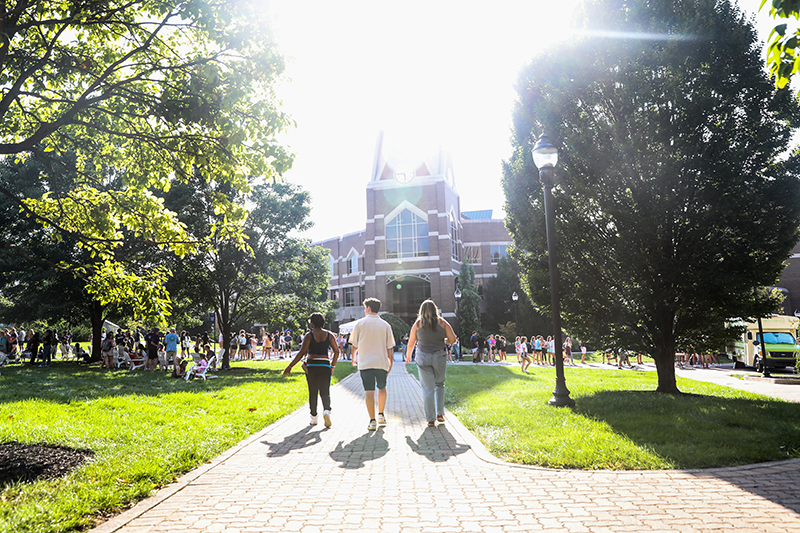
(407, 294)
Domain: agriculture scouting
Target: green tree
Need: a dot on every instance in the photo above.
(277, 277)
(672, 202)
(39, 274)
(142, 92)
(399, 326)
(469, 311)
(783, 55)
(500, 307)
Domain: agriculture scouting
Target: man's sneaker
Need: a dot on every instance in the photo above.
(440, 419)
(327, 416)
(373, 425)
(313, 420)
(431, 424)
(381, 419)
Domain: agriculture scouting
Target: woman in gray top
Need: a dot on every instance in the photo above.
(429, 334)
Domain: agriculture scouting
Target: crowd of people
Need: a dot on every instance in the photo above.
(35, 347)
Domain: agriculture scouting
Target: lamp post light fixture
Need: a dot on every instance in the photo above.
(515, 297)
(545, 157)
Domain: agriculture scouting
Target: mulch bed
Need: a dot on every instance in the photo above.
(29, 462)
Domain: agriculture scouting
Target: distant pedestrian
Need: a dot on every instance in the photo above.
(47, 346)
(152, 343)
(33, 345)
(171, 341)
(107, 350)
(429, 336)
(373, 353)
(523, 354)
(473, 344)
(567, 347)
(481, 348)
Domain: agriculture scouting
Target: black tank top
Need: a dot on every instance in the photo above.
(319, 348)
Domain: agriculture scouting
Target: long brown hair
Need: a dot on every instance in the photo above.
(428, 315)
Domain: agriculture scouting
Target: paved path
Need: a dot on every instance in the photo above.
(407, 478)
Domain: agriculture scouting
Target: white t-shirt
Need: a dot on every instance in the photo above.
(373, 337)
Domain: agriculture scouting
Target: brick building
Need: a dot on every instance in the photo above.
(790, 283)
(414, 240)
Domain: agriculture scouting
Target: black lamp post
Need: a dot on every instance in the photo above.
(515, 297)
(545, 157)
(457, 295)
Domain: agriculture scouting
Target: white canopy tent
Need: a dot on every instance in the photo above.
(345, 329)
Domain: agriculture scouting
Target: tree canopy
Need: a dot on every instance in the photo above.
(142, 93)
(469, 310)
(277, 277)
(501, 308)
(674, 198)
(783, 53)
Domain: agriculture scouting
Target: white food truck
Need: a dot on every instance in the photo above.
(780, 338)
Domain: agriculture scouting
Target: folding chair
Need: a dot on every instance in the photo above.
(137, 362)
(201, 372)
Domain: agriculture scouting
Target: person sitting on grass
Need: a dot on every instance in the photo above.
(85, 357)
(179, 370)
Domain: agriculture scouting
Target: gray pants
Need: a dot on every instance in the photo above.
(432, 368)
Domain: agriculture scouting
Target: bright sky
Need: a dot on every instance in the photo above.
(430, 73)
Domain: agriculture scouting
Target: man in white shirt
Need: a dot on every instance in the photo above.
(373, 353)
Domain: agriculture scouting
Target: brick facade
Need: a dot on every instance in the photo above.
(425, 192)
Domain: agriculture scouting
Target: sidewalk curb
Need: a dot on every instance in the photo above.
(482, 453)
(119, 521)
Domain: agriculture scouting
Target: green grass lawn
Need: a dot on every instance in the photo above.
(618, 423)
(144, 428)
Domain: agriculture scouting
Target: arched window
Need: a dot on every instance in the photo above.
(407, 236)
(454, 246)
(352, 264)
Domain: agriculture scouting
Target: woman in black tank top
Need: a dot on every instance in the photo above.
(318, 367)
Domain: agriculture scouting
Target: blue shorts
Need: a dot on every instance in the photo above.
(373, 378)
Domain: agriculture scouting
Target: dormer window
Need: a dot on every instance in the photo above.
(352, 264)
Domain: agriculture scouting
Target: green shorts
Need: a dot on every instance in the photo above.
(373, 378)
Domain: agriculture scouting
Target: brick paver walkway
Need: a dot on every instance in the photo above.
(407, 478)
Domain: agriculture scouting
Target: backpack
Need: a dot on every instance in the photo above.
(108, 343)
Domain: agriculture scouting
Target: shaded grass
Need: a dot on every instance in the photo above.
(145, 429)
(618, 423)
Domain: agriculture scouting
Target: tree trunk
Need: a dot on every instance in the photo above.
(225, 329)
(224, 321)
(96, 314)
(665, 366)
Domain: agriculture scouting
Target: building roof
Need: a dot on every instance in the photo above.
(485, 214)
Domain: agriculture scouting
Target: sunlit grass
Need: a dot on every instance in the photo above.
(144, 428)
(618, 423)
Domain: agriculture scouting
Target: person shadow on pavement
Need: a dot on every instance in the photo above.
(296, 441)
(356, 453)
(437, 445)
